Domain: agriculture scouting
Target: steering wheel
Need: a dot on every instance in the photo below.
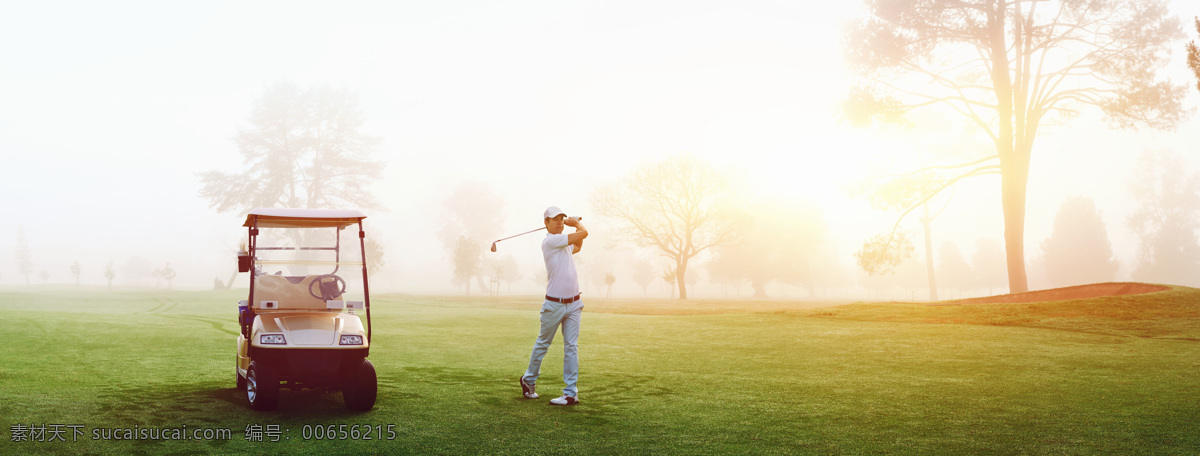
(331, 286)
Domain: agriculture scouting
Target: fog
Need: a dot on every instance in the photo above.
(109, 110)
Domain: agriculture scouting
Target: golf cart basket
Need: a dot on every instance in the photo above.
(313, 221)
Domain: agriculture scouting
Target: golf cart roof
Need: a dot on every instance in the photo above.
(302, 218)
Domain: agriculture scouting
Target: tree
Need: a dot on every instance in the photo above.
(110, 273)
(780, 243)
(680, 206)
(468, 262)
(470, 216)
(168, 274)
(609, 279)
(24, 258)
(163, 273)
(1009, 67)
(44, 275)
(1168, 198)
(899, 193)
(75, 270)
(1193, 56)
(881, 254)
(1078, 251)
(304, 149)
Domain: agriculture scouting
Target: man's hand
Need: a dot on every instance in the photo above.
(571, 221)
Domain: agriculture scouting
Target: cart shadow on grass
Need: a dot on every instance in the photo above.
(220, 403)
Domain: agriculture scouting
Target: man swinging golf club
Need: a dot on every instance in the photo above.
(562, 305)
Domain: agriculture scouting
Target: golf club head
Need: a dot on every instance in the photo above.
(493, 247)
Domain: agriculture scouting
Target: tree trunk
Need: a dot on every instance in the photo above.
(680, 272)
(1013, 182)
(1014, 164)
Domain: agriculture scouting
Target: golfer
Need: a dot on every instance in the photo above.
(562, 305)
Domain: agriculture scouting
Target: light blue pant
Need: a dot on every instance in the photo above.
(554, 314)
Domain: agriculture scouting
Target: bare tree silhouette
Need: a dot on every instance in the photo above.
(304, 149)
(680, 206)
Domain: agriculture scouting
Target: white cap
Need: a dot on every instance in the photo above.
(553, 211)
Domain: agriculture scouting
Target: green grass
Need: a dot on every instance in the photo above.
(702, 377)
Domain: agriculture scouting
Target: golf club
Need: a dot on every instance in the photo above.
(522, 234)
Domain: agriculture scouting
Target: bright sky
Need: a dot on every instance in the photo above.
(108, 109)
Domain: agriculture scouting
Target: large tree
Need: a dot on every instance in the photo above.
(1007, 67)
(304, 148)
(680, 206)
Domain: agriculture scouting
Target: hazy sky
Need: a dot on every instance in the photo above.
(108, 109)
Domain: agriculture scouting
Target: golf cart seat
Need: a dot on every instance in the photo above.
(288, 294)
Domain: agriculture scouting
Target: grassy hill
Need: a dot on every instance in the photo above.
(1170, 314)
(1102, 376)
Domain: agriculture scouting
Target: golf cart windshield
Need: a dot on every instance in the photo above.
(305, 259)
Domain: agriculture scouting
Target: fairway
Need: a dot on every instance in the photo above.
(78, 367)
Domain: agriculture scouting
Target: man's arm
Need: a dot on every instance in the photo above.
(577, 237)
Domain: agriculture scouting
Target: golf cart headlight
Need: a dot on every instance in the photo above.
(351, 340)
(274, 339)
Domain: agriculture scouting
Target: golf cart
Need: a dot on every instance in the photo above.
(298, 328)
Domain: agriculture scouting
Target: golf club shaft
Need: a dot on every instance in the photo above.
(527, 232)
(522, 234)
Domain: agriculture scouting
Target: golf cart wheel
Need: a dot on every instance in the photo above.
(262, 387)
(360, 387)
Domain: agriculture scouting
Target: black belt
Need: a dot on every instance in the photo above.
(564, 300)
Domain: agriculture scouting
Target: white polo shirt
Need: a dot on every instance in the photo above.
(560, 266)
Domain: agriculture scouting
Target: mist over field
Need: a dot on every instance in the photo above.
(126, 127)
